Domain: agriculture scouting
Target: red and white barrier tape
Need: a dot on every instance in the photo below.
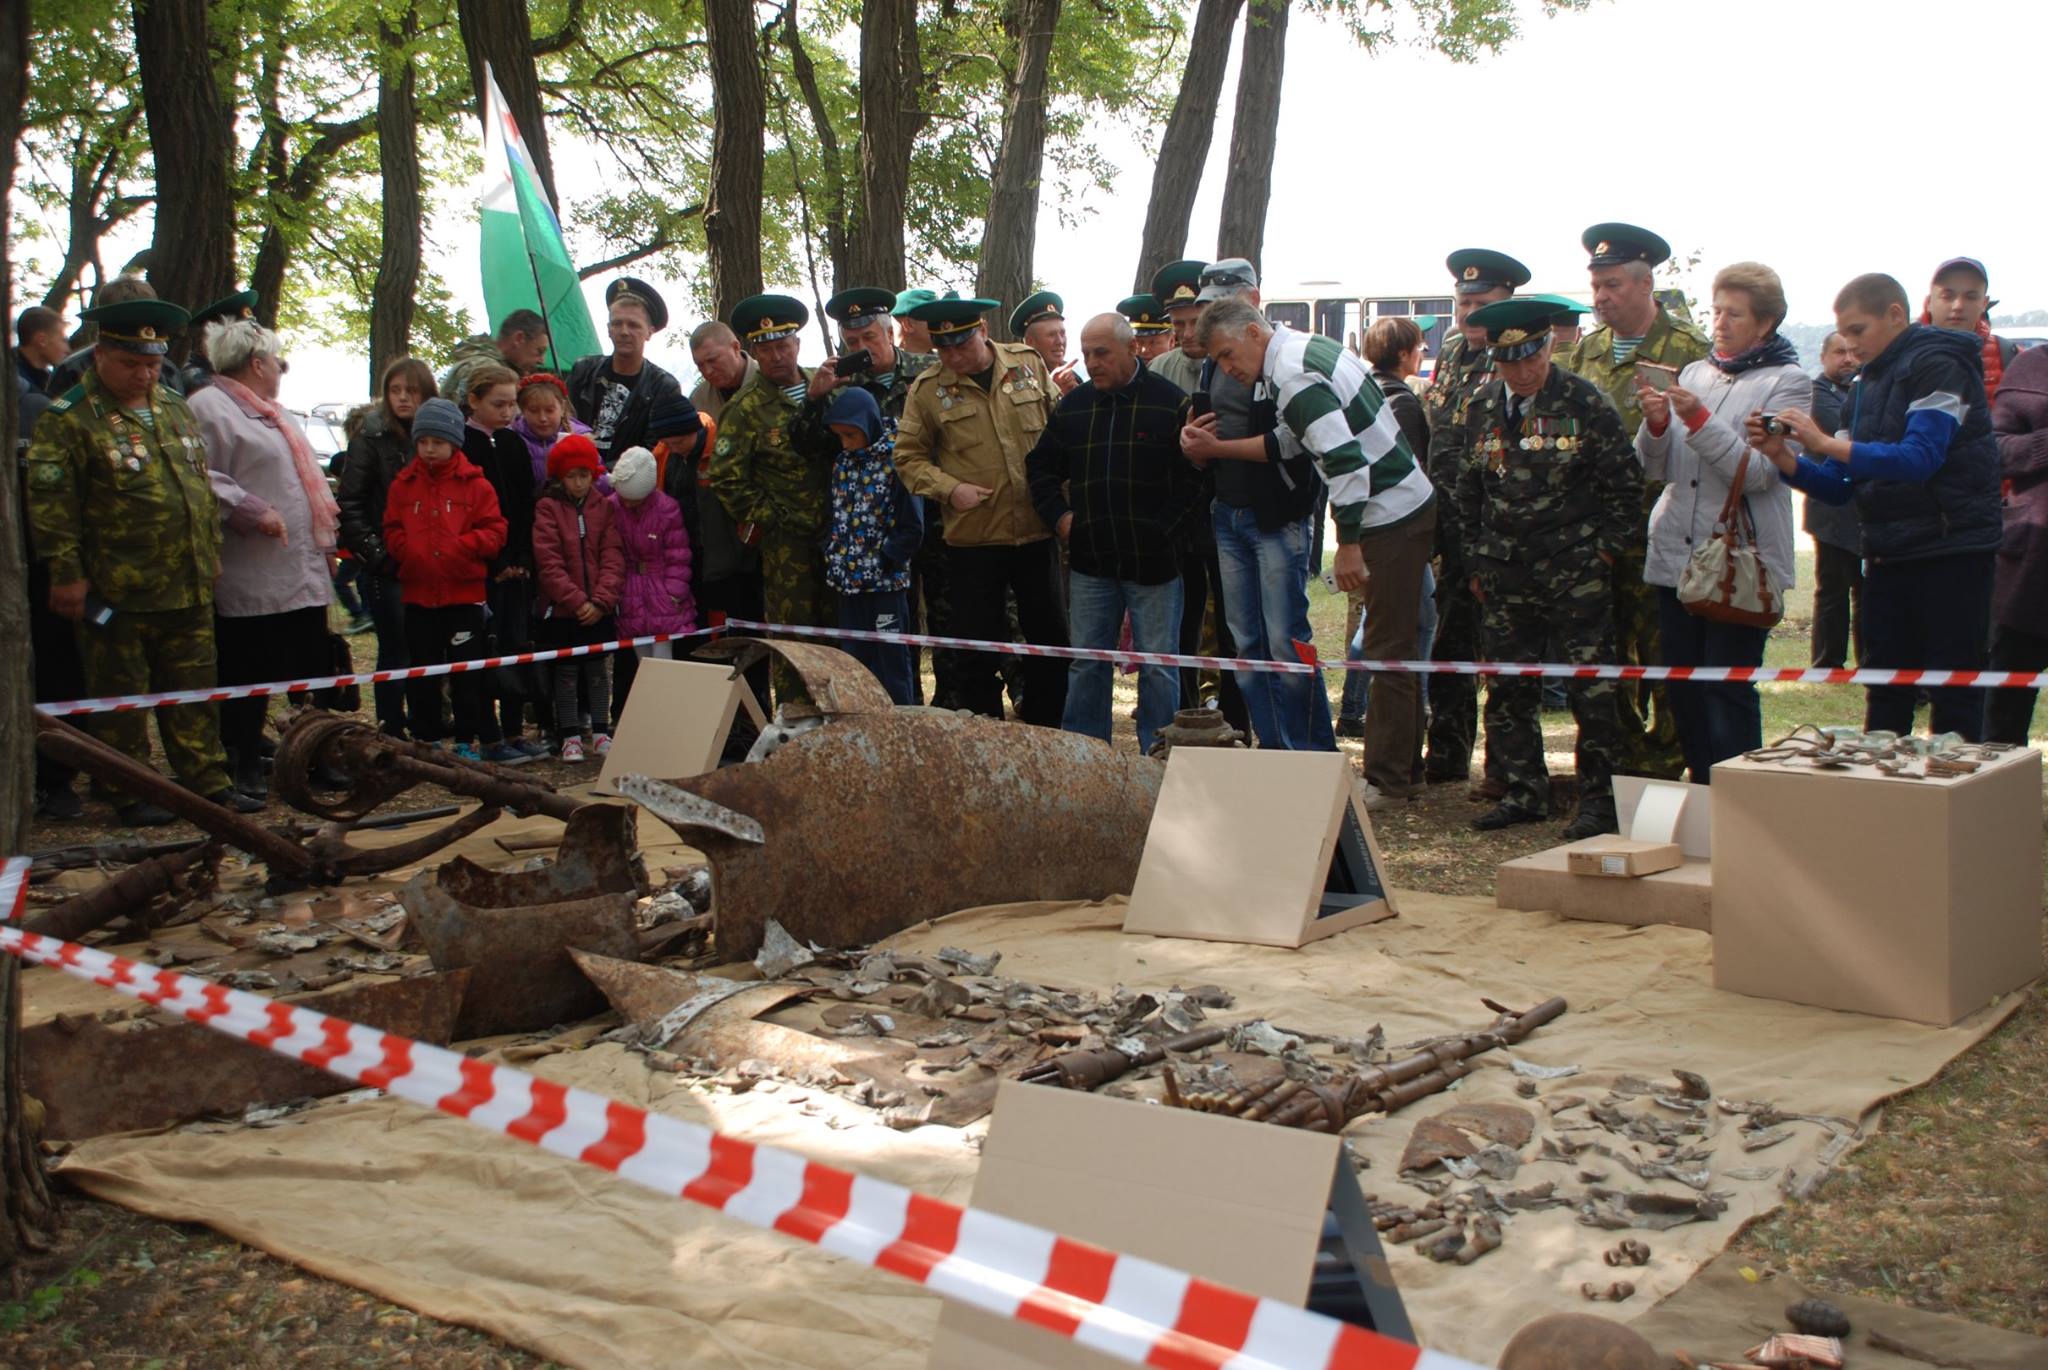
(1755, 675)
(107, 704)
(1137, 1311)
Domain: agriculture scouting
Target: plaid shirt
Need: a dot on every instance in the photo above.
(1112, 459)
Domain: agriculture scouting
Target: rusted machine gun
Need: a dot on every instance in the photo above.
(1373, 1089)
(1099, 1065)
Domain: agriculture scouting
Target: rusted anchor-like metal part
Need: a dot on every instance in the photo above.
(975, 812)
(381, 767)
(514, 930)
(1196, 728)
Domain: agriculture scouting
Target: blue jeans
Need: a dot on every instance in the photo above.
(1095, 614)
(1265, 601)
(1357, 684)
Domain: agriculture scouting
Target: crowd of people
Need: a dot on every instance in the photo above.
(1622, 494)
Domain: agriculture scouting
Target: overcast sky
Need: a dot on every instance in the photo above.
(1826, 139)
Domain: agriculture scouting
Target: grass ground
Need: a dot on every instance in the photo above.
(1942, 1210)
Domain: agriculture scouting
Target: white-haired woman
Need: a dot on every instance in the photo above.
(1694, 438)
(270, 604)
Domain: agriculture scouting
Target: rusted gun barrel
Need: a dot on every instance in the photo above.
(181, 875)
(1373, 1089)
(1092, 1068)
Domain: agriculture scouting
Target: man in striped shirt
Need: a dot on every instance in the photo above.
(1384, 503)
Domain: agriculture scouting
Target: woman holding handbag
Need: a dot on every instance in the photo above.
(1721, 532)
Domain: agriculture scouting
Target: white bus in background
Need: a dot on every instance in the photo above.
(1343, 313)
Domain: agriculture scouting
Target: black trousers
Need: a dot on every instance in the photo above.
(2009, 714)
(1201, 582)
(1931, 614)
(1837, 606)
(263, 647)
(734, 596)
(59, 675)
(983, 577)
(434, 637)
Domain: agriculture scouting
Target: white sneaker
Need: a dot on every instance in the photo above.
(601, 745)
(1377, 799)
(572, 749)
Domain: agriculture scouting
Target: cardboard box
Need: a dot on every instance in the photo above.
(1916, 899)
(1624, 857)
(1269, 847)
(676, 720)
(1654, 812)
(1235, 1202)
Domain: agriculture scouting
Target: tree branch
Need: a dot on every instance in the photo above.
(571, 30)
(661, 241)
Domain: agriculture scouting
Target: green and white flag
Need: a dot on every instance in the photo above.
(526, 263)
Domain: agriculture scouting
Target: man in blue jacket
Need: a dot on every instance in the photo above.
(1916, 454)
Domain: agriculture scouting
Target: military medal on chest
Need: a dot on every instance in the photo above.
(1497, 453)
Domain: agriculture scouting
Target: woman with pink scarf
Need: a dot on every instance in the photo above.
(270, 604)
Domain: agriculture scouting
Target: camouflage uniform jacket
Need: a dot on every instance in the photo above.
(814, 437)
(1670, 342)
(124, 505)
(759, 472)
(471, 354)
(1568, 483)
(1460, 370)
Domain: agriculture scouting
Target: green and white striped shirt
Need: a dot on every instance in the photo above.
(1331, 407)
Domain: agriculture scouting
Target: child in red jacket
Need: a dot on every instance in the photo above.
(442, 526)
(581, 568)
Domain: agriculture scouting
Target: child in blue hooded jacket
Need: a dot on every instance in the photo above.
(876, 528)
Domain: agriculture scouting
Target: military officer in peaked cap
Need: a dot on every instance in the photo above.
(967, 427)
(1149, 325)
(1479, 276)
(1040, 323)
(1636, 336)
(1547, 502)
(122, 509)
(774, 489)
(197, 373)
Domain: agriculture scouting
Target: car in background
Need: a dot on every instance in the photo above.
(326, 430)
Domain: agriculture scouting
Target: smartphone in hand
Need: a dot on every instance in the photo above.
(1656, 375)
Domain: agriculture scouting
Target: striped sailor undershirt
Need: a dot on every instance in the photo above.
(1331, 406)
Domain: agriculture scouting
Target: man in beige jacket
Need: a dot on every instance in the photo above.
(968, 424)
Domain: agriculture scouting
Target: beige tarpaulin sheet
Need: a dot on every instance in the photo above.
(429, 1212)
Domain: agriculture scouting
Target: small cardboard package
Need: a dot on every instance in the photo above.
(1270, 847)
(1625, 857)
(1654, 814)
(676, 720)
(1904, 898)
(1238, 1203)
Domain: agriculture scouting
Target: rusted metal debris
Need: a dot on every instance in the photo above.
(1464, 1130)
(94, 1079)
(838, 684)
(381, 767)
(1817, 1318)
(62, 742)
(1197, 728)
(144, 893)
(1089, 1069)
(976, 812)
(514, 930)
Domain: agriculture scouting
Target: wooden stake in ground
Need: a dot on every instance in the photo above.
(24, 1193)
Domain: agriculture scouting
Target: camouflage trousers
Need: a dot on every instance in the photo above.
(793, 590)
(1649, 733)
(169, 650)
(1520, 619)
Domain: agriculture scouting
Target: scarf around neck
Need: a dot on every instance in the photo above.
(1772, 351)
(320, 505)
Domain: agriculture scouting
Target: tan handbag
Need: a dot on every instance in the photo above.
(1726, 579)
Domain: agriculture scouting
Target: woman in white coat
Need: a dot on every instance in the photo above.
(270, 604)
(1692, 439)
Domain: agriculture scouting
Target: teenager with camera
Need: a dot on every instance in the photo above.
(1693, 441)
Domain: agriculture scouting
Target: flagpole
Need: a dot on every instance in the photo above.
(541, 296)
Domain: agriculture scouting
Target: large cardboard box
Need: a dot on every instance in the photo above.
(676, 721)
(1916, 899)
(1238, 1203)
(1268, 847)
(1650, 811)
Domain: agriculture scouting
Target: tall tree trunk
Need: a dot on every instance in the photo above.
(891, 74)
(191, 134)
(398, 159)
(499, 32)
(1185, 149)
(273, 249)
(29, 1209)
(1253, 130)
(1011, 230)
(828, 147)
(732, 211)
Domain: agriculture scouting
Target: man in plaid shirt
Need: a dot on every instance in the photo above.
(1108, 477)
(1384, 503)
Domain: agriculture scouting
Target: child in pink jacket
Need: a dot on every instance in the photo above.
(658, 598)
(580, 565)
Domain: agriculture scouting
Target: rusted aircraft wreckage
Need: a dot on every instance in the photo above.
(756, 969)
